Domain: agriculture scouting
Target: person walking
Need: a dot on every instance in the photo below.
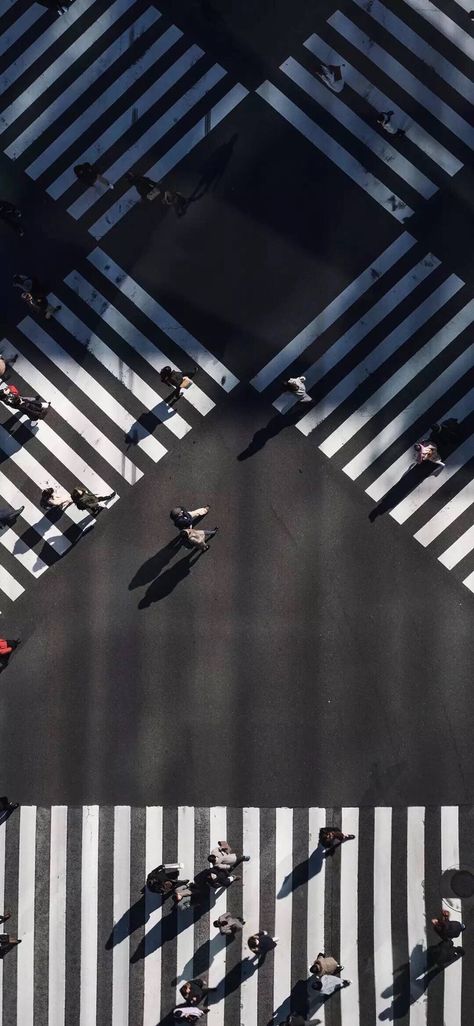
(85, 500)
(33, 293)
(228, 925)
(12, 216)
(9, 517)
(32, 406)
(331, 75)
(188, 1013)
(183, 518)
(325, 965)
(219, 876)
(261, 943)
(194, 991)
(222, 855)
(330, 838)
(7, 646)
(427, 451)
(176, 380)
(194, 538)
(173, 198)
(5, 917)
(384, 120)
(447, 928)
(51, 499)
(7, 941)
(164, 879)
(6, 363)
(190, 895)
(298, 387)
(90, 174)
(5, 804)
(328, 984)
(146, 187)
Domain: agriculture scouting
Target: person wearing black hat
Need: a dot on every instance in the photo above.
(183, 518)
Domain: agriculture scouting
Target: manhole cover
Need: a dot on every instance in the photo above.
(462, 883)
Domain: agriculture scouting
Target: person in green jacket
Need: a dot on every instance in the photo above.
(89, 502)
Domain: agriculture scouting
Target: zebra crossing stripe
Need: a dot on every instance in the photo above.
(48, 531)
(41, 44)
(26, 916)
(334, 151)
(89, 913)
(379, 101)
(73, 92)
(460, 548)
(441, 520)
(9, 585)
(121, 904)
(217, 832)
(403, 78)
(57, 917)
(33, 469)
(441, 21)
(383, 960)
(152, 962)
(344, 115)
(171, 158)
(19, 27)
(469, 581)
(450, 857)
(250, 906)
(185, 938)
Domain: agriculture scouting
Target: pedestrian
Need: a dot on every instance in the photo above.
(85, 500)
(447, 928)
(32, 406)
(325, 965)
(471, 15)
(384, 119)
(12, 216)
(146, 187)
(327, 985)
(164, 879)
(7, 941)
(5, 804)
(260, 943)
(427, 451)
(193, 991)
(298, 387)
(90, 174)
(194, 538)
(183, 518)
(51, 499)
(6, 915)
(6, 363)
(228, 925)
(34, 295)
(189, 895)
(176, 380)
(330, 838)
(444, 953)
(172, 198)
(7, 646)
(331, 75)
(219, 876)
(222, 855)
(8, 517)
(188, 1014)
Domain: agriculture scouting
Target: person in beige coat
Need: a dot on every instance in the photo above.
(195, 538)
(222, 855)
(325, 965)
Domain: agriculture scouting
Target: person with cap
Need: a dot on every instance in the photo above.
(182, 517)
(90, 174)
(87, 501)
(176, 380)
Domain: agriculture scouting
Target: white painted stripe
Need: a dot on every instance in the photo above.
(403, 78)
(354, 335)
(171, 158)
(217, 968)
(380, 101)
(84, 81)
(166, 323)
(315, 894)
(30, 466)
(153, 908)
(91, 388)
(89, 911)
(447, 515)
(389, 345)
(421, 49)
(348, 954)
(57, 916)
(416, 912)
(9, 585)
(26, 556)
(40, 45)
(334, 151)
(427, 488)
(383, 957)
(282, 981)
(469, 581)
(33, 516)
(18, 29)
(71, 459)
(422, 402)
(97, 109)
(331, 313)
(367, 135)
(456, 35)
(113, 363)
(185, 938)
(459, 549)
(121, 905)
(26, 916)
(2, 905)
(157, 130)
(63, 63)
(390, 477)
(78, 421)
(250, 912)
(452, 995)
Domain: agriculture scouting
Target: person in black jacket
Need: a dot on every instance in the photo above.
(183, 518)
(447, 928)
(176, 380)
(12, 216)
(89, 174)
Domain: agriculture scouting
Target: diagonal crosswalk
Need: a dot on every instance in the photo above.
(96, 948)
(422, 75)
(384, 361)
(98, 362)
(144, 98)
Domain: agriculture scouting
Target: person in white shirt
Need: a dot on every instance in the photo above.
(331, 75)
(190, 1013)
(298, 387)
(328, 984)
(384, 119)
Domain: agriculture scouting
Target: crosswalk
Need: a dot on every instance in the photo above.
(112, 83)
(387, 358)
(95, 949)
(387, 65)
(98, 362)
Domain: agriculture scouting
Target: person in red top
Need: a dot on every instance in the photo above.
(6, 649)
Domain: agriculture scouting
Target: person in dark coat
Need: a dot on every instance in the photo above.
(146, 187)
(330, 838)
(7, 646)
(9, 517)
(5, 804)
(193, 991)
(32, 406)
(176, 380)
(12, 216)
(447, 928)
(164, 879)
(229, 925)
(85, 500)
(183, 518)
(89, 174)
(261, 943)
(34, 294)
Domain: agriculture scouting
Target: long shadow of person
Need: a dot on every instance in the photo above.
(167, 582)
(415, 976)
(202, 959)
(213, 170)
(170, 926)
(153, 566)
(136, 916)
(297, 1002)
(411, 478)
(237, 975)
(273, 428)
(301, 873)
